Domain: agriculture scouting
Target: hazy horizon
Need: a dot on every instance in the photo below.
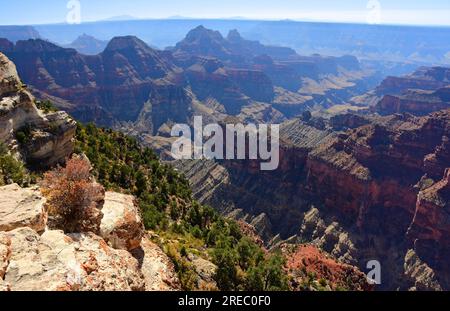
(399, 12)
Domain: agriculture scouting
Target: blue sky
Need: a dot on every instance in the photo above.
(413, 12)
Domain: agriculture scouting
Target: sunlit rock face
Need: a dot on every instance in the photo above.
(36, 258)
(48, 136)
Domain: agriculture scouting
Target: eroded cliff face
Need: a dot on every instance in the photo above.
(422, 92)
(415, 102)
(429, 233)
(105, 88)
(45, 138)
(354, 193)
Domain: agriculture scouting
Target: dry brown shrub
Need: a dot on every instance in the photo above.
(74, 199)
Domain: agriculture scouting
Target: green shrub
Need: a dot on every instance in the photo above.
(46, 106)
(226, 275)
(11, 169)
(121, 163)
(268, 275)
(24, 134)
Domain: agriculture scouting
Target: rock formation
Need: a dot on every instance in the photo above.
(88, 45)
(424, 91)
(22, 208)
(425, 78)
(421, 276)
(121, 226)
(46, 138)
(205, 42)
(100, 86)
(431, 221)
(57, 262)
(415, 102)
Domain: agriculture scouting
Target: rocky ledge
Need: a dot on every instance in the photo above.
(34, 257)
(41, 138)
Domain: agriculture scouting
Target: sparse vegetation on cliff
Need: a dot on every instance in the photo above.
(46, 106)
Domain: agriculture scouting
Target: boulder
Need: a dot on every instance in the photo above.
(22, 208)
(59, 262)
(122, 225)
(158, 270)
(53, 140)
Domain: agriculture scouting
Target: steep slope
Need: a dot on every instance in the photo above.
(195, 227)
(353, 192)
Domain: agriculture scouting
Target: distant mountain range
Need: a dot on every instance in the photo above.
(205, 72)
(427, 45)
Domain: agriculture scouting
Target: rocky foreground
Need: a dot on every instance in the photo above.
(34, 257)
(113, 252)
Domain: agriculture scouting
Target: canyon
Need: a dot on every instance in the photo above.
(130, 84)
(109, 249)
(367, 183)
(359, 193)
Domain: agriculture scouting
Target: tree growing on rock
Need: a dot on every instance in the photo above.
(74, 199)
